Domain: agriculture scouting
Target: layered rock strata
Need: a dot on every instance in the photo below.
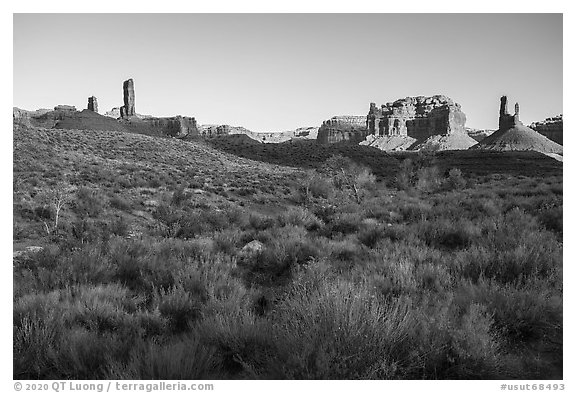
(552, 128)
(343, 129)
(66, 108)
(418, 117)
(177, 126)
(418, 123)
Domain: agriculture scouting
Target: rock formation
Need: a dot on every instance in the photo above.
(21, 116)
(418, 117)
(129, 100)
(66, 108)
(212, 130)
(302, 133)
(86, 120)
(415, 123)
(478, 134)
(552, 128)
(343, 129)
(93, 104)
(513, 135)
(177, 126)
(114, 112)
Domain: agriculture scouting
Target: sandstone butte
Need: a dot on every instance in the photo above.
(415, 123)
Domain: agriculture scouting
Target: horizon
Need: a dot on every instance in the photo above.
(279, 72)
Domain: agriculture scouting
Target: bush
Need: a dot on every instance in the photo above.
(179, 196)
(180, 307)
(348, 176)
(120, 203)
(551, 219)
(88, 203)
(184, 359)
(298, 216)
(455, 180)
(429, 179)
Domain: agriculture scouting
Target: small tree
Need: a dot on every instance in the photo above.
(56, 199)
(314, 185)
(348, 176)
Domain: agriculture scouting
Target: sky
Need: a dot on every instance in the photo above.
(277, 72)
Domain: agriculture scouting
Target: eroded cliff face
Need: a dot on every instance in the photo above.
(343, 129)
(177, 126)
(114, 112)
(552, 128)
(418, 117)
(212, 130)
(46, 118)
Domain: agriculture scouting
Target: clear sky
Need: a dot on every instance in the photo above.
(274, 72)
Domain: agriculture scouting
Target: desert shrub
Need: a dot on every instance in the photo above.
(414, 210)
(237, 216)
(534, 256)
(246, 191)
(43, 213)
(118, 226)
(429, 179)
(245, 345)
(345, 255)
(260, 222)
(455, 180)
(184, 359)
(179, 196)
(33, 342)
(377, 208)
(339, 331)
(127, 258)
(348, 176)
(196, 223)
(86, 230)
(83, 354)
(551, 219)
(83, 328)
(117, 202)
(88, 203)
(314, 185)
(406, 176)
(324, 212)
(180, 307)
(343, 224)
(448, 235)
(166, 214)
(47, 258)
(227, 240)
(154, 182)
(370, 236)
(285, 249)
(433, 277)
(88, 265)
(321, 188)
(299, 216)
(521, 314)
